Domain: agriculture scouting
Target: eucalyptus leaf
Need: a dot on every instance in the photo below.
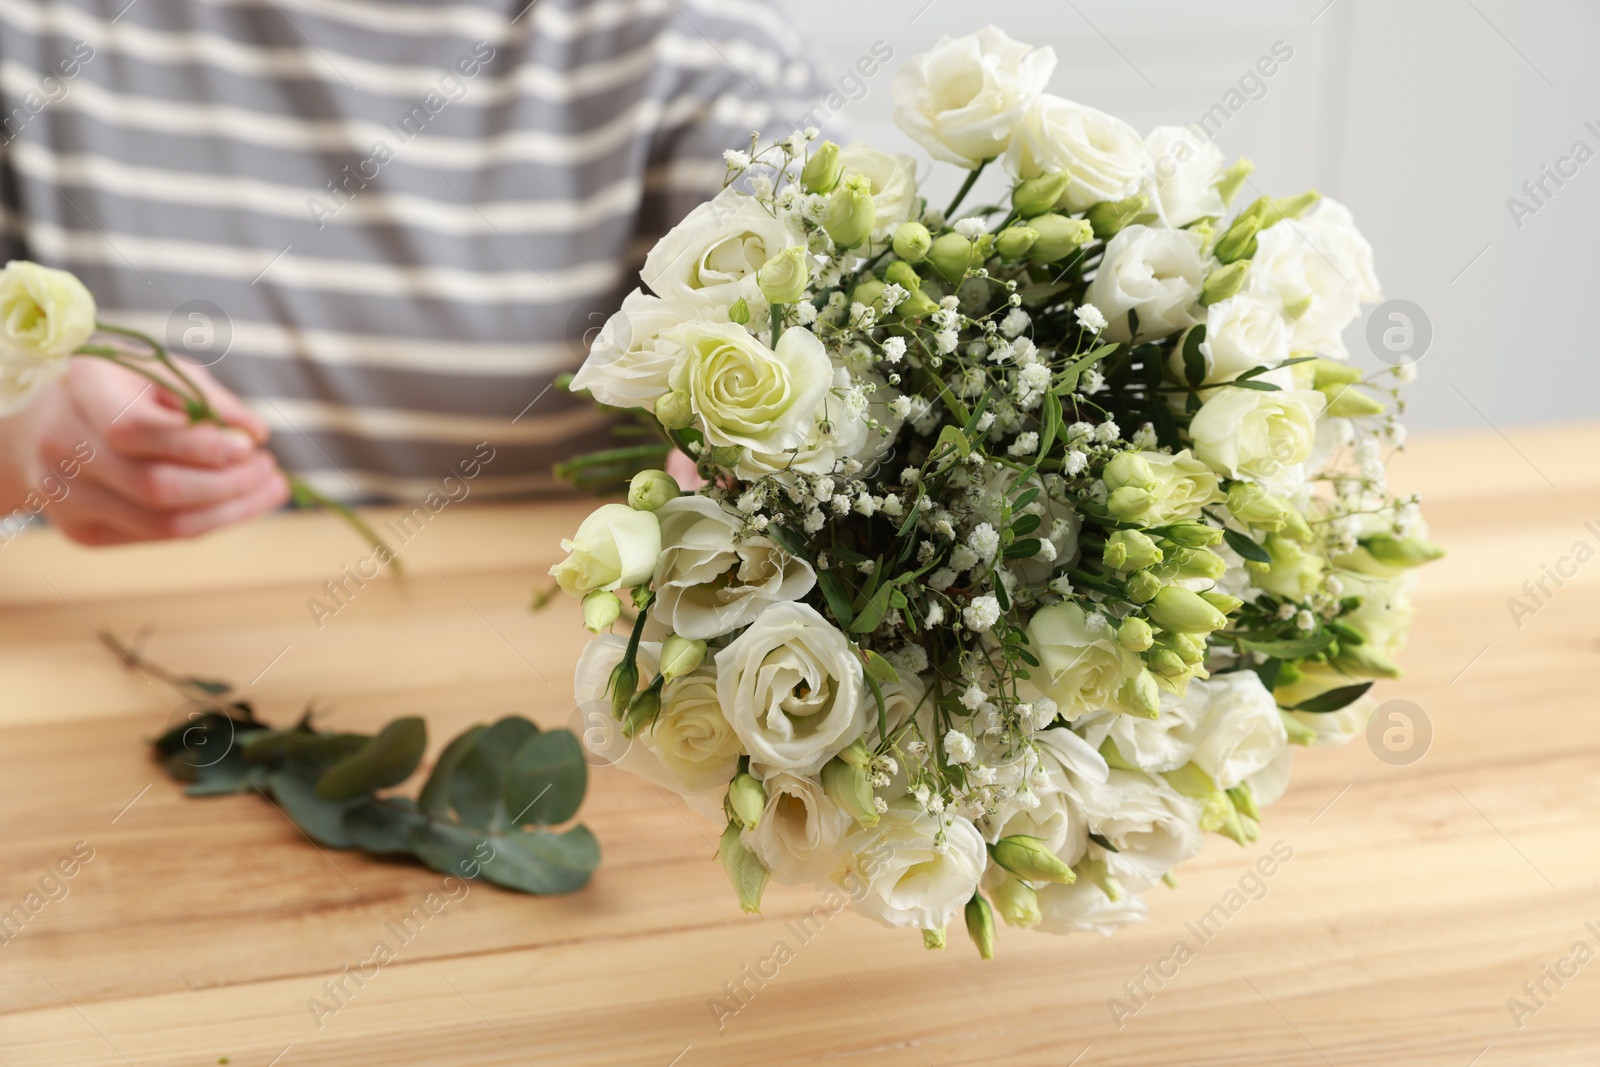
(382, 826)
(388, 759)
(546, 780)
(479, 778)
(541, 861)
(321, 820)
(435, 796)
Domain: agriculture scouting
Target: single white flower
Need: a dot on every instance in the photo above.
(712, 256)
(615, 547)
(1105, 156)
(1081, 671)
(1186, 170)
(709, 581)
(958, 747)
(628, 362)
(1254, 433)
(1090, 318)
(746, 394)
(893, 181)
(919, 871)
(45, 316)
(1154, 272)
(981, 615)
(1242, 732)
(801, 832)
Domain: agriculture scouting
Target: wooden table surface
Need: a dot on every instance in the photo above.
(1420, 897)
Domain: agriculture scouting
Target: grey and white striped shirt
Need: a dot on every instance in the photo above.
(388, 223)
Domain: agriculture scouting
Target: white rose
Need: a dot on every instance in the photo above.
(712, 256)
(1331, 228)
(894, 184)
(707, 584)
(1150, 824)
(1321, 273)
(1105, 156)
(909, 883)
(1269, 784)
(1163, 743)
(1154, 272)
(628, 361)
(1243, 332)
(838, 432)
(1186, 173)
(801, 832)
(1081, 671)
(962, 99)
(1242, 732)
(792, 687)
(1254, 433)
(1082, 908)
(45, 316)
(615, 547)
(691, 737)
(747, 394)
(1059, 820)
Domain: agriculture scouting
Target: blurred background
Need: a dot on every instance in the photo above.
(1425, 117)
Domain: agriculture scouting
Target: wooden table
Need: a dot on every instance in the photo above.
(1418, 900)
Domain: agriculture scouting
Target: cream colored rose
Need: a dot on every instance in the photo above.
(691, 737)
(1331, 228)
(894, 185)
(910, 882)
(792, 687)
(1186, 171)
(962, 99)
(1151, 825)
(615, 547)
(628, 361)
(746, 394)
(1180, 487)
(800, 835)
(839, 432)
(1156, 273)
(708, 583)
(1243, 332)
(712, 256)
(1251, 433)
(1082, 908)
(1105, 156)
(45, 316)
(1163, 743)
(1080, 670)
(1322, 272)
(1242, 733)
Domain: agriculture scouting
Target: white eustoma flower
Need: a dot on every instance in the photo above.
(792, 687)
(1081, 908)
(1245, 331)
(1105, 156)
(691, 737)
(1163, 743)
(628, 364)
(1251, 433)
(1151, 825)
(708, 583)
(615, 547)
(1156, 273)
(1186, 169)
(1059, 821)
(962, 99)
(1322, 268)
(1332, 229)
(1079, 669)
(45, 316)
(712, 256)
(894, 184)
(1242, 732)
(801, 832)
(746, 394)
(839, 433)
(910, 881)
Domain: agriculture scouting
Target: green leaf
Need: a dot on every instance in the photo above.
(1026, 497)
(837, 595)
(1051, 426)
(322, 820)
(1290, 647)
(312, 750)
(1194, 361)
(1025, 524)
(543, 862)
(546, 780)
(479, 779)
(382, 826)
(1026, 548)
(1104, 843)
(435, 796)
(448, 848)
(879, 668)
(1334, 699)
(883, 709)
(871, 615)
(1245, 546)
(1251, 383)
(386, 760)
(788, 540)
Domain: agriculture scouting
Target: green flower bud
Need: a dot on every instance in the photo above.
(1402, 551)
(1299, 732)
(1110, 217)
(1233, 179)
(1294, 573)
(1244, 800)
(674, 410)
(1224, 282)
(1017, 903)
(600, 610)
(1254, 506)
(746, 800)
(745, 870)
(869, 293)
(904, 275)
(857, 754)
(1182, 611)
(1365, 661)
(1130, 550)
(1167, 663)
(1130, 504)
(649, 489)
(1059, 237)
(622, 685)
(1014, 241)
(1299, 307)
(1030, 858)
(784, 277)
(951, 255)
(1222, 601)
(918, 305)
(1134, 634)
(933, 940)
(643, 710)
(1096, 872)
(1198, 563)
(851, 213)
(1038, 195)
(725, 455)
(740, 312)
(1140, 695)
(1191, 534)
(1239, 242)
(1191, 648)
(912, 241)
(822, 170)
(1142, 587)
(1129, 468)
(848, 787)
(1348, 402)
(980, 925)
(1326, 372)
(1292, 207)
(680, 655)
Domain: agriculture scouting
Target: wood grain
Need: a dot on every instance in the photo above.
(1418, 899)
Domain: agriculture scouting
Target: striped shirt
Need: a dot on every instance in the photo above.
(386, 224)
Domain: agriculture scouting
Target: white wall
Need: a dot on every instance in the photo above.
(1423, 115)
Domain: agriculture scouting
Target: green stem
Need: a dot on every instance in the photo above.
(305, 496)
(966, 187)
(777, 323)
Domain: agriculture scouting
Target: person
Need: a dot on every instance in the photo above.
(375, 230)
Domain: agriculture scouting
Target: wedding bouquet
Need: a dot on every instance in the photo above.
(1030, 538)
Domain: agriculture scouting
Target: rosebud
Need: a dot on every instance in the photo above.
(1239, 242)
(600, 610)
(1223, 282)
(1254, 506)
(1191, 534)
(1244, 800)
(1130, 550)
(1348, 402)
(951, 255)
(904, 275)
(1030, 858)
(784, 277)
(980, 925)
(912, 241)
(1402, 551)
(822, 170)
(1059, 237)
(918, 305)
(642, 710)
(869, 293)
(851, 213)
(1325, 372)
(740, 312)
(1110, 217)
(1143, 586)
(623, 684)
(1130, 503)
(857, 754)
(1038, 195)
(1364, 661)
(674, 410)
(1139, 695)
(1222, 601)
(1191, 648)
(1016, 902)
(680, 655)
(1167, 663)
(1233, 179)
(649, 489)
(1182, 611)
(746, 800)
(745, 871)
(1135, 635)
(1014, 241)
(848, 787)
(1129, 468)
(1198, 563)
(1291, 207)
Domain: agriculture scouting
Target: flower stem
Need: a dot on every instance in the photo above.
(777, 323)
(966, 187)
